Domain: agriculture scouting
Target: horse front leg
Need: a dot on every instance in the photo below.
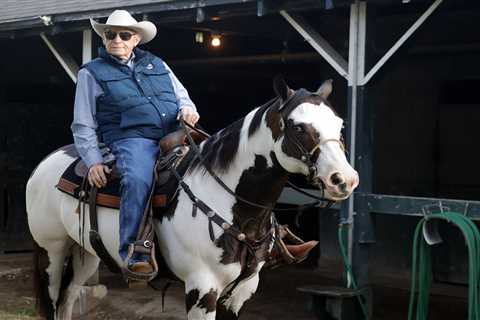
(202, 290)
(229, 308)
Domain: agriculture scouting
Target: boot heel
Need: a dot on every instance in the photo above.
(136, 284)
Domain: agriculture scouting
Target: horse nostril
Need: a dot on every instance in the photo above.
(342, 187)
(336, 179)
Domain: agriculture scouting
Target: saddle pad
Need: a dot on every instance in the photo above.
(108, 196)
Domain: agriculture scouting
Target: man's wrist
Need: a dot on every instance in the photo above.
(93, 159)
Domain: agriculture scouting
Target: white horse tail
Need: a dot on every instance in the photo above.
(45, 306)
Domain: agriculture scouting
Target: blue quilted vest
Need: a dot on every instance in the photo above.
(135, 103)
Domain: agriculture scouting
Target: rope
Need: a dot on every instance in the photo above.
(422, 265)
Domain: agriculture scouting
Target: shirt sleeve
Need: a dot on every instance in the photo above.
(181, 93)
(84, 125)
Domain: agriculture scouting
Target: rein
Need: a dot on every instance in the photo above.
(252, 245)
(213, 217)
(230, 191)
(306, 158)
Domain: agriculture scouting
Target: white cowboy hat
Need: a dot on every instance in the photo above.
(121, 18)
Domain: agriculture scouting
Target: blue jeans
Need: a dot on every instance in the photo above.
(135, 162)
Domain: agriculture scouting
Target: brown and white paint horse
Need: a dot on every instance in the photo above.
(253, 157)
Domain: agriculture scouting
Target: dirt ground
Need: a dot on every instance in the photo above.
(276, 298)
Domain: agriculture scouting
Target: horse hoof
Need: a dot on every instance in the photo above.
(99, 291)
(90, 297)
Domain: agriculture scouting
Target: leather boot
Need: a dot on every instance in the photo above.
(294, 252)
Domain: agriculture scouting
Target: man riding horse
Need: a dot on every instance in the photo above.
(127, 98)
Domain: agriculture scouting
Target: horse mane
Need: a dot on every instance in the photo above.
(220, 149)
(257, 117)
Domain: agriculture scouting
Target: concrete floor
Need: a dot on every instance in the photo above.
(276, 298)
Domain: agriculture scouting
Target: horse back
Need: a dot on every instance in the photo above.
(68, 152)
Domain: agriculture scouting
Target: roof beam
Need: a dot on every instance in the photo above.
(356, 47)
(301, 57)
(63, 57)
(317, 42)
(401, 41)
(87, 46)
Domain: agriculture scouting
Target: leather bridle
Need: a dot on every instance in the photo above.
(285, 109)
(307, 155)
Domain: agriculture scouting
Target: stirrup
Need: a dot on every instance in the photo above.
(146, 247)
(283, 253)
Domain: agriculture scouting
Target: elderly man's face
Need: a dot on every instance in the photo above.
(118, 47)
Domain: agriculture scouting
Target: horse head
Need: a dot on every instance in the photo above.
(308, 140)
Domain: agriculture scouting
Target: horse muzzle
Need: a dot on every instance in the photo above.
(339, 186)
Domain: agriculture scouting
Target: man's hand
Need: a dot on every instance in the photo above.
(189, 115)
(97, 175)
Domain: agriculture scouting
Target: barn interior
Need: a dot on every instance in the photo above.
(423, 103)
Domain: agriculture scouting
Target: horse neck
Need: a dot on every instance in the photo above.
(260, 178)
(241, 155)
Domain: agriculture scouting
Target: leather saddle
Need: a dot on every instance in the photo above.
(174, 149)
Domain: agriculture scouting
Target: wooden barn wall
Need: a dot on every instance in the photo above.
(427, 115)
(35, 111)
(428, 109)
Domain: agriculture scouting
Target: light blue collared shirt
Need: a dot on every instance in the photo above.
(84, 124)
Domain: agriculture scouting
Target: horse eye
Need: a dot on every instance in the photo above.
(298, 128)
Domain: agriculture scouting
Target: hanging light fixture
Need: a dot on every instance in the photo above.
(216, 40)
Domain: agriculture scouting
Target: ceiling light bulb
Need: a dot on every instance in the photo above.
(216, 42)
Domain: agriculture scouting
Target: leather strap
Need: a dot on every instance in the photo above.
(67, 186)
(94, 236)
(198, 154)
(252, 245)
(106, 200)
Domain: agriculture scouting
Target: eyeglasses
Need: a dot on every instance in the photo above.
(124, 35)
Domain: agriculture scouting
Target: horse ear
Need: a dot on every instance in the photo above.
(325, 89)
(281, 88)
